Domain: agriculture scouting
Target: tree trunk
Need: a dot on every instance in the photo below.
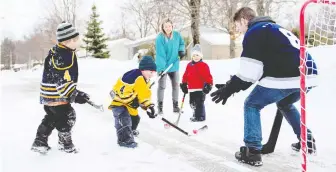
(260, 7)
(195, 20)
(231, 29)
(232, 40)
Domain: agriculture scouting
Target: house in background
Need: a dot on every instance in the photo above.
(118, 50)
(215, 44)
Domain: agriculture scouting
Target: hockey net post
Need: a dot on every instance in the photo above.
(321, 32)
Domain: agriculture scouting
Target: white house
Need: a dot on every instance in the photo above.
(119, 50)
(215, 42)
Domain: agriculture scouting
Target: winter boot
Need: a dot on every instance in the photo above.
(176, 109)
(195, 119)
(135, 133)
(40, 143)
(128, 145)
(65, 142)
(160, 108)
(310, 145)
(249, 156)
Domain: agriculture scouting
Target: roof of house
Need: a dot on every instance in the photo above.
(118, 41)
(213, 35)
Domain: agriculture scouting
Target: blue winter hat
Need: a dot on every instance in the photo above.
(147, 63)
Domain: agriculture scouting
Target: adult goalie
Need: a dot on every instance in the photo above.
(270, 57)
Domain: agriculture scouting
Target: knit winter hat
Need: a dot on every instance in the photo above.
(197, 50)
(147, 63)
(65, 31)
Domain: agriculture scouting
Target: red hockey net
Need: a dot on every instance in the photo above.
(317, 28)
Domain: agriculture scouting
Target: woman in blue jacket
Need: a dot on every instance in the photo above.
(169, 46)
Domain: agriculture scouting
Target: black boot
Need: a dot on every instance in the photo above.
(195, 119)
(310, 145)
(40, 143)
(249, 156)
(65, 142)
(160, 107)
(176, 109)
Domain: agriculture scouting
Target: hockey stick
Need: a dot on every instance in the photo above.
(272, 140)
(178, 118)
(160, 75)
(176, 127)
(99, 107)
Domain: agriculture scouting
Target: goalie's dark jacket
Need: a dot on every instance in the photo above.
(60, 75)
(271, 57)
(132, 90)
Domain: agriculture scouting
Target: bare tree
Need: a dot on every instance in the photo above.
(164, 9)
(271, 7)
(194, 6)
(142, 16)
(124, 30)
(224, 12)
(65, 10)
(208, 12)
(7, 53)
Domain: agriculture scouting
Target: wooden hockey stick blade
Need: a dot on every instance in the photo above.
(272, 140)
(99, 107)
(176, 127)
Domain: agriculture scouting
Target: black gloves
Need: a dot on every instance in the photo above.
(222, 94)
(184, 88)
(181, 54)
(207, 88)
(81, 97)
(151, 111)
(218, 86)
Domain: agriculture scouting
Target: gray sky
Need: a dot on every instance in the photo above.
(18, 17)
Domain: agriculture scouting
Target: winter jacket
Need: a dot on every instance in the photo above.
(271, 57)
(60, 76)
(167, 51)
(196, 75)
(132, 91)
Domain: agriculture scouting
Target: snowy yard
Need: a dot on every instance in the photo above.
(159, 149)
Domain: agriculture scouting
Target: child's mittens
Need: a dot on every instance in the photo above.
(184, 88)
(207, 88)
(151, 111)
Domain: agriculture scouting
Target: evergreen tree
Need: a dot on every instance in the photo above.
(95, 39)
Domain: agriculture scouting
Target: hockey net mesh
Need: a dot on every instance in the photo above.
(320, 33)
(322, 24)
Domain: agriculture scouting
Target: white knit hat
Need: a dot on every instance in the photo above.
(197, 50)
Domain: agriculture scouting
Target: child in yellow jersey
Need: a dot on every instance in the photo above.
(130, 92)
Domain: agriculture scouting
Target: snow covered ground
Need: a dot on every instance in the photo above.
(159, 149)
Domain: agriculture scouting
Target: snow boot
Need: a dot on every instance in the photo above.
(40, 147)
(160, 108)
(176, 109)
(195, 119)
(128, 145)
(249, 156)
(40, 143)
(65, 143)
(310, 145)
